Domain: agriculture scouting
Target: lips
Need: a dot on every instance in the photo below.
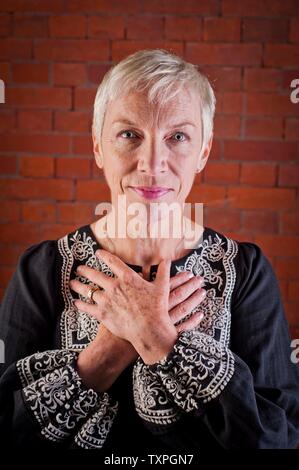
(150, 192)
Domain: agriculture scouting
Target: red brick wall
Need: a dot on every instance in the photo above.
(53, 54)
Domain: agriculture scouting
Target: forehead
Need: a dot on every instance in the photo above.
(185, 106)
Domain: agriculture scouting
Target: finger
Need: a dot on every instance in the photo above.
(163, 272)
(184, 291)
(83, 289)
(117, 266)
(90, 309)
(191, 323)
(97, 277)
(179, 279)
(185, 308)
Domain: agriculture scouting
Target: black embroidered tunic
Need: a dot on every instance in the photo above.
(229, 383)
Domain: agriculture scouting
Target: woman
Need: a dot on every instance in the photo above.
(188, 348)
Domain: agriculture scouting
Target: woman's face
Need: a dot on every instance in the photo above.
(150, 152)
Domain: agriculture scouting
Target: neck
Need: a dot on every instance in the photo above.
(146, 251)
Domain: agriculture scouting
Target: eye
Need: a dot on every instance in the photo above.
(180, 134)
(128, 133)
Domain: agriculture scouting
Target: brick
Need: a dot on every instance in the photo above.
(278, 245)
(5, 24)
(270, 104)
(260, 150)
(207, 194)
(76, 212)
(91, 190)
(265, 30)
(57, 189)
(289, 223)
(72, 121)
(103, 6)
(30, 73)
(84, 97)
(261, 174)
(96, 72)
(224, 54)
(293, 290)
(145, 27)
(10, 211)
(20, 233)
(225, 173)
(82, 145)
(8, 165)
(287, 77)
(227, 126)
(294, 30)
(32, 26)
(35, 120)
(261, 198)
(5, 275)
(10, 254)
(222, 219)
(69, 74)
(288, 175)
(55, 231)
(39, 97)
(67, 26)
(281, 55)
(185, 28)
(262, 79)
(223, 78)
(122, 48)
(291, 310)
(222, 29)
(35, 6)
(292, 129)
(73, 167)
(231, 102)
(260, 221)
(15, 48)
(106, 27)
(7, 120)
(258, 8)
(264, 127)
(38, 143)
(188, 7)
(37, 166)
(71, 49)
(95, 170)
(37, 211)
(5, 71)
(287, 268)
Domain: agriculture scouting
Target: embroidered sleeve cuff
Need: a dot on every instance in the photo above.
(61, 404)
(196, 370)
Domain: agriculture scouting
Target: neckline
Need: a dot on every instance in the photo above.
(137, 267)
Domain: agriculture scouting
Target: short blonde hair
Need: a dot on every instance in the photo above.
(162, 74)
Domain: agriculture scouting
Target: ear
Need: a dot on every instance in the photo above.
(204, 155)
(97, 150)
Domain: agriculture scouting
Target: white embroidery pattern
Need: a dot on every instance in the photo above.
(201, 364)
(58, 399)
(77, 328)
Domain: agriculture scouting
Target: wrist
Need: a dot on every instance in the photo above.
(157, 344)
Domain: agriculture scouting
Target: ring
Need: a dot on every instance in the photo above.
(90, 293)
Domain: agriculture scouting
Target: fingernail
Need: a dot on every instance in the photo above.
(190, 275)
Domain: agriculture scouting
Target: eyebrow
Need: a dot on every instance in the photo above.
(130, 123)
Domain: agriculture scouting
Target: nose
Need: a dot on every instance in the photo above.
(153, 157)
